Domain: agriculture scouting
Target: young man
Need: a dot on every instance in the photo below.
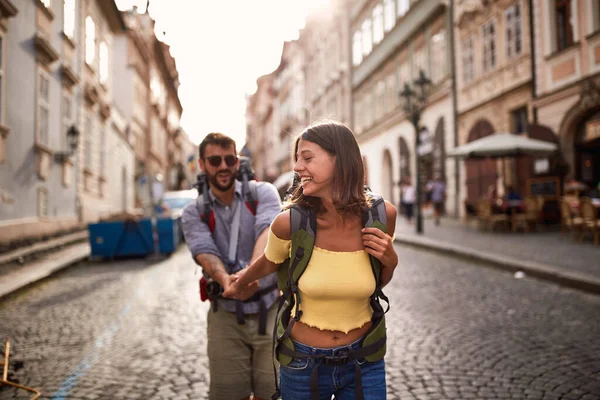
(240, 358)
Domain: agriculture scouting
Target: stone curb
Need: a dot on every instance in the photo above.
(43, 268)
(546, 272)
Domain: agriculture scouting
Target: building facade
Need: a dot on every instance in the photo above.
(259, 126)
(49, 185)
(289, 110)
(102, 144)
(494, 88)
(71, 140)
(324, 41)
(392, 41)
(567, 82)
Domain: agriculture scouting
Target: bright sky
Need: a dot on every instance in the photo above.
(221, 48)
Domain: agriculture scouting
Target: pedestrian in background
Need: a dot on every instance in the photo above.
(335, 289)
(240, 361)
(408, 198)
(438, 197)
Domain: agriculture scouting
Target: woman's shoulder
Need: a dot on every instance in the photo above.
(281, 226)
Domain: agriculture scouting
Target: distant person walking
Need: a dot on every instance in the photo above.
(438, 198)
(408, 199)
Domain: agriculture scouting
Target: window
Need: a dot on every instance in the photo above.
(438, 56)
(356, 48)
(367, 37)
(377, 24)
(595, 16)
(43, 108)
(1, 79)
(46, 3)
(90, 40)
(379, 100)
(563, 24)
(69, 18)
(468, 59)
(513, 30)
(389, 19)
(67, 119)
(87, 143)
(518, 120)
(104, 62)
(42, 202)
(489, 46)
(403, 6)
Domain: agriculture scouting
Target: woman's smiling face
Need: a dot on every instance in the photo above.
(315, 167)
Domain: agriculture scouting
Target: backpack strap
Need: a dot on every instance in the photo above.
(204, 204)
(250, 194)
(303, 228)
(375, 339)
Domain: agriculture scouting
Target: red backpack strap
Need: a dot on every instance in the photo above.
(207, 215)
(250, 196)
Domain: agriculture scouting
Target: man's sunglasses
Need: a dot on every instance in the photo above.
(215, 161)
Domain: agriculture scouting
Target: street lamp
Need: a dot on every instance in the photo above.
(413, 105)
(72, 143)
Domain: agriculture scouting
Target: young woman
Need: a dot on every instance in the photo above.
(338, 280)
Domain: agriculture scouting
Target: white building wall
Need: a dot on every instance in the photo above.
(374, 149)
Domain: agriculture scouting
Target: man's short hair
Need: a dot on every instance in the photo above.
(220, 139)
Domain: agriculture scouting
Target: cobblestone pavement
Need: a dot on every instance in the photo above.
(545, 245)
(135, 330)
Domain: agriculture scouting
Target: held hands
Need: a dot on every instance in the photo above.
(380, 245)
(233, 290)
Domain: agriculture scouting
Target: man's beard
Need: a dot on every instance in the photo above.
(215, 183)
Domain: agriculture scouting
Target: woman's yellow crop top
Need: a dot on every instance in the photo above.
(334, 288)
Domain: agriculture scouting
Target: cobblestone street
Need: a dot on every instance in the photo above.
(135, 330)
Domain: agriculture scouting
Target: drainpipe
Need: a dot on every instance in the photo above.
(532, 52)
(450, 23)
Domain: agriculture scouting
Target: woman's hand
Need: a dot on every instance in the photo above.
(240, 292)
(380, 245)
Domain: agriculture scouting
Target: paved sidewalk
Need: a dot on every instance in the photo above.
(544, 254)
(15, 276)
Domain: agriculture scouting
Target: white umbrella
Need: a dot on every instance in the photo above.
(503, 145)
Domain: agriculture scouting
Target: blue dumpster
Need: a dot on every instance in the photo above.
(131, 238)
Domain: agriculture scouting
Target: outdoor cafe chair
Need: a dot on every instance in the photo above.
(486, 218)
(589, 214)
(568, 222)
(529, 217)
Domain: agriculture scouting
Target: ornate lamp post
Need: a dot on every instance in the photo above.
(413, 105)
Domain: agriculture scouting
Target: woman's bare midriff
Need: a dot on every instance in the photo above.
(316, 337)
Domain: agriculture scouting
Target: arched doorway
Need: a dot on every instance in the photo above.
(404, 160)
(587, 149)
(481, 174)
(525, 166)
(387, 183)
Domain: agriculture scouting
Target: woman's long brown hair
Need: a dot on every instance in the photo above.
(348, 196)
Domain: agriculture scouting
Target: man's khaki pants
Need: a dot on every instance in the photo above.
(240, 360)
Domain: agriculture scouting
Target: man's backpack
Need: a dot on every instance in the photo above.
(211, 290)
(303, 230)
(245, 175)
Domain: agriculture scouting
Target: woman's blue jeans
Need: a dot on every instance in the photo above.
(333, 380)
